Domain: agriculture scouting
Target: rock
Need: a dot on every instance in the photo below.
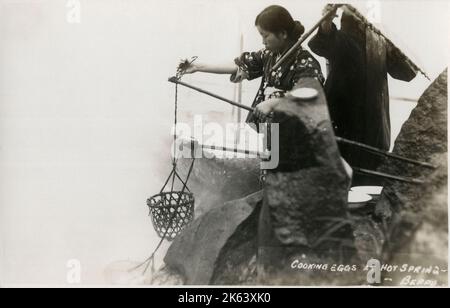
(422, 136)
(215, 181)
(413, 218)
(421, 238)
(194, 253)
(305, 205)
(237, 262)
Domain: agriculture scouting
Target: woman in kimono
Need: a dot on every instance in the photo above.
(279, 33)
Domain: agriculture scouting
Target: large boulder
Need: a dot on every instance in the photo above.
(417, 214)
(423, 137)
(217, 180)
(194, 253)
(237, 262)
(305, 205)
(412, 218)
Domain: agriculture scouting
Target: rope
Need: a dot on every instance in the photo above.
(175, 126)
(174, 159)
(151, 260)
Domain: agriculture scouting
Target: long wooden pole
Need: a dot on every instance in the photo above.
(387, 176)
(177, 81)
(383, 153)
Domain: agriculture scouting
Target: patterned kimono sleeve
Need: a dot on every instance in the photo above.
(250, 66)
(306, 65)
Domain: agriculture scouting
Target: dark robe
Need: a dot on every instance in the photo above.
(357, 89)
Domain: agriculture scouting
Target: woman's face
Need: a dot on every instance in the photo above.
(273, 42)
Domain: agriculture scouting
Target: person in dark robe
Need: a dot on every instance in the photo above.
(359, 60)
(345, 91)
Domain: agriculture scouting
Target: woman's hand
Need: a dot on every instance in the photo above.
(188, 66)
(192, 68)
(326, 25)
(263, 110)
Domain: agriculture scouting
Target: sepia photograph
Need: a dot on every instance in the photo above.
(251, 144)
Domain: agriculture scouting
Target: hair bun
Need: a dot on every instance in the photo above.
(299, 28)
(297, 31)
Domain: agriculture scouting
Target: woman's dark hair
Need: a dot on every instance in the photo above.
(277, 19)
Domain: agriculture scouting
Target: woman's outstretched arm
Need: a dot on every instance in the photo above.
(226, 68)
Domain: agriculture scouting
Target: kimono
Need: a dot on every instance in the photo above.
(252, 65)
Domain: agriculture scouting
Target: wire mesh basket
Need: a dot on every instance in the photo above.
(171, 212)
